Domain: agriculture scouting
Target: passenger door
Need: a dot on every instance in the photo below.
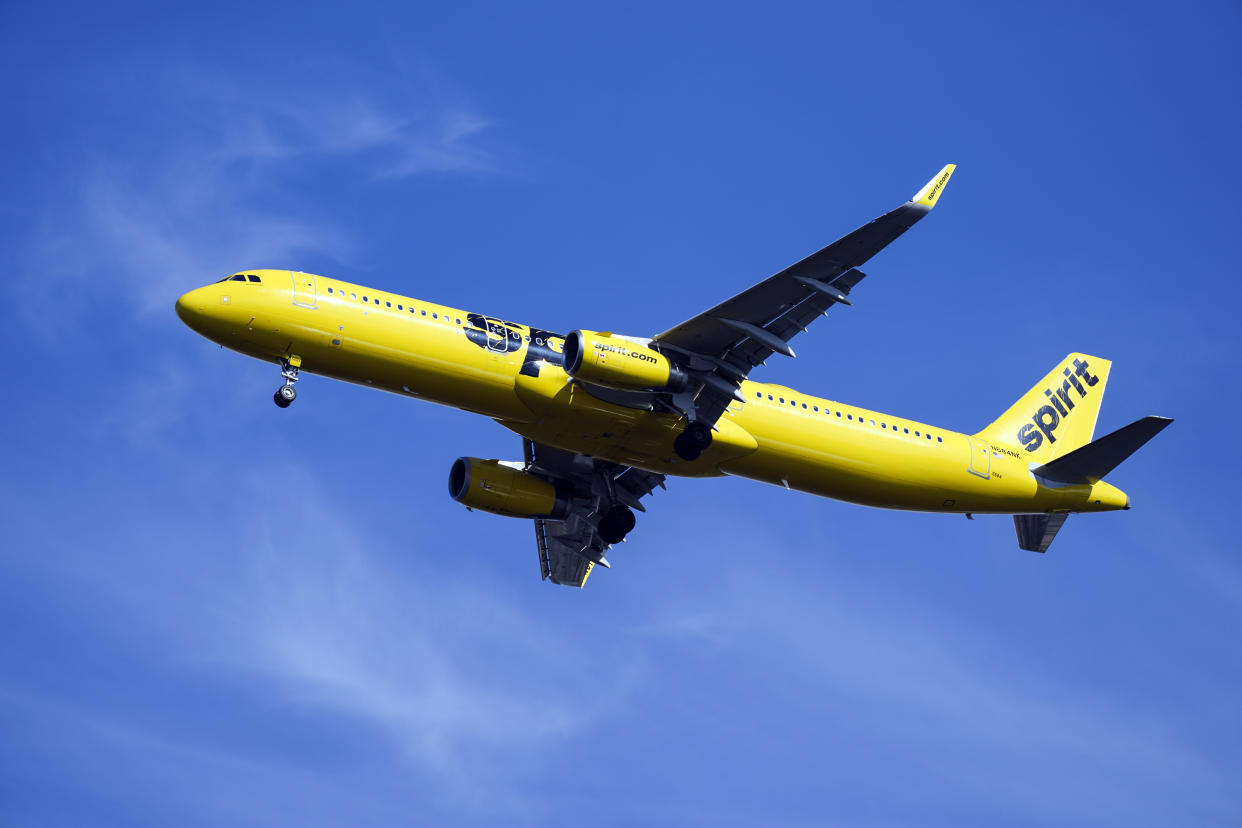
(304, 294)
(980, 458)
(498, 341)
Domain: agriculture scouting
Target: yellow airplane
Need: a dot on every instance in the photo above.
(606, 417)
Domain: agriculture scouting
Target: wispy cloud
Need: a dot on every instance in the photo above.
(112, 755)
(459, 694)
(468, 687)
(902, 673)
(152, 233)
(432, 133)
(225, 180)
(340, 634)
(289, 593)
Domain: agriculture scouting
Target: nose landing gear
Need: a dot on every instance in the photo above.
(693, 441)
(285, 394)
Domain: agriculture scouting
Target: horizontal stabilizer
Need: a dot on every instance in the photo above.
(1090, 463)
(1035, 532)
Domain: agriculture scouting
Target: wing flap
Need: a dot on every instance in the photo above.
(558, 560)
(569, 549)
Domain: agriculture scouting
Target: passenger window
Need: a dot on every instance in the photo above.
(939, 439)
(254, 278)
(815, 408)
(458, 321)
(871, 421)
(399, 307)
(916, 434)
(434, 316)
(804, 405)
(906, 430)
(387, 304)
(424, 313)
(769, 396)
(782, 399)
(849, 416)
(759, 395)
(928, 436)
(377, 301)
(365, 299)
(353, 296)
(838, 415)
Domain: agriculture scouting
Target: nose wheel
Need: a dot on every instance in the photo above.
(693, 441)
(285, 394)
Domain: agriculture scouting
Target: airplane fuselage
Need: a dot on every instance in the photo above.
(513, 373)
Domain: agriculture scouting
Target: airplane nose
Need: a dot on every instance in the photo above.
(192, 306)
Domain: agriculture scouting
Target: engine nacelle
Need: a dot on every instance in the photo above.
(493, 486)
(609, 360)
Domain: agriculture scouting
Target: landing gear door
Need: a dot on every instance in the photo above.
(980, 458)
(304, 293)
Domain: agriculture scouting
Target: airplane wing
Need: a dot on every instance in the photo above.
(569, 549)
(724, 343)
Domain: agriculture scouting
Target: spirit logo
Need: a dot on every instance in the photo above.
(1048, 418)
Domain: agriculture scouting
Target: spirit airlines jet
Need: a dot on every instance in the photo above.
(605, 417)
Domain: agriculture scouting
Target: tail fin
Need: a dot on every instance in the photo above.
(1058, 415)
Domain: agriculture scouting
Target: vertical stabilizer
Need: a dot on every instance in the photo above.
(1056, 416)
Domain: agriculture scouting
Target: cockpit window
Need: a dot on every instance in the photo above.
(252, 277)
(238, 278)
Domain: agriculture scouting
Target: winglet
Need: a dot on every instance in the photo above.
(932, 189)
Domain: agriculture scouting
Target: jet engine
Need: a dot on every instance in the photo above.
(505, 489)
(616, 362)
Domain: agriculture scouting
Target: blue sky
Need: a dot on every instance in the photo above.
(217, 612)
